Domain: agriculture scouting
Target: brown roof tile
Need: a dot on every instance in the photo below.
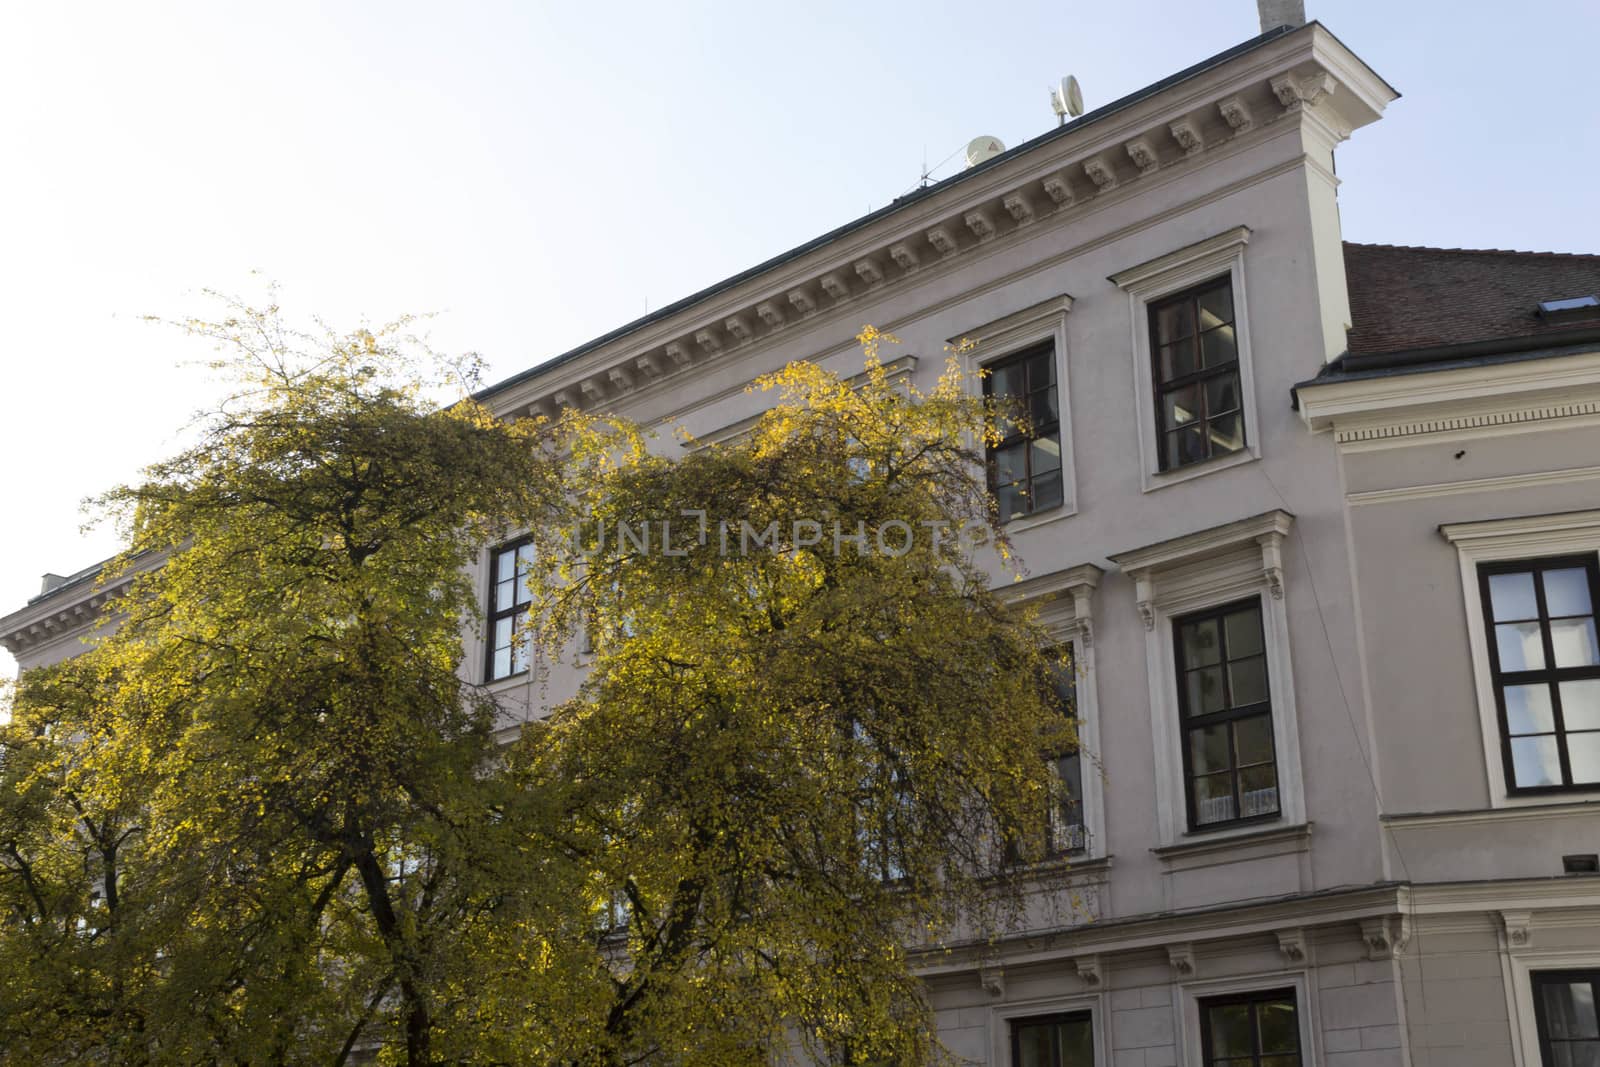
(1405, 299)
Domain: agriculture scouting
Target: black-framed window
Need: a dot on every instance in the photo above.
(1256, 1029)
(1025, 468)
(1062, 1040)
(508, 602)
(1564, 1007)
(1068, 833)
(1195, 351)
(1544, 657)
(1225, 707)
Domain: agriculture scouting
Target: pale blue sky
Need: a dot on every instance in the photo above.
(542, 173)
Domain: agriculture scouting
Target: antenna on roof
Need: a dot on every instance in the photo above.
(1066, 99)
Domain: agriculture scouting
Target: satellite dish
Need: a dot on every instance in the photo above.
(982, 148)
(1067, 99)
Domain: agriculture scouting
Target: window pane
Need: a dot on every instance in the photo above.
(1007, 380)
(1222, 394)
(1574, 642)
(1279, 1032)
(1566, 592)
(1512, 597)
(1046, 454)
(504, 563)
(1217, 348)
(1580, 704)
(1243, 632)
(1011, 502)
(1208, 749)
(1185, 446)
(1043, 408)
(1252, 740)
(502, 663)
(1069, 778)
(1009, 464)
(1521, 647)
(519, 655)
(1248, 678)
(1583, 755)
(1226, 434)
(1077, 1043)
(1175, 320)
(503, 592)
(1231, 1031)
(502, 633)
(1213, 798)
(1205, 691)
(1216, 306)
(1528, 709)
(1177, 360)
(1291, 1060)
(1200, 645)
(1535, 761)
(1258, 791)
(1047, 491)
(1042, 369)
(1569, 1011)
(1181, 406)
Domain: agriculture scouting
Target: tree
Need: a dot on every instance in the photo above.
(265, 819)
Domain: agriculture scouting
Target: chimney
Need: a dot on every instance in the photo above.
(1275, 13)
(51, 583)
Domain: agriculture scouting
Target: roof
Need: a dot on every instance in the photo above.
(1406, 299)
(897, 205)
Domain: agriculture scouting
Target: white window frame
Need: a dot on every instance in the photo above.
(1193, 573)
(1518, 967)
(1148, 283)
(1065, 601)
(1044, 321)
(1572, 533)
(1001, 1017)
(1190, 993)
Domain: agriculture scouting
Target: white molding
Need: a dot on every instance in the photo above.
(995, 340)
(1308, 1011)
(1500, 540)
(1518, 964)
(1159, 277)
(1095, 1003)
(1581, 809)
(1498, 484)
(1200, 570)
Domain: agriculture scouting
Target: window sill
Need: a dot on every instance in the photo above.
(510, 681)
(1154, 480)
(1245, 843)
(1039, 518)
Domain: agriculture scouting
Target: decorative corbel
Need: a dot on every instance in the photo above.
(592, 390)
(1386, 935)
(1082, 613)
(943, 241)
(1236, 114)
(1187, 134)
(992, 976)
(1182, 959)
(565, 399)
(801, 301)
(868, 271)
(738, 327)
(709, 343)
(980, 223)
(904, 256)
(1144, 594)
(1272, 562)
(1294, 93)
(1292, 943)
(1143, 156)
(620, 378)
(1519, 928)
(649, 364)
(834, 286)
(770, 314)
(1101, 173)
(679, 353)
(1089, 969)
(1058, 189)
(1018, 208)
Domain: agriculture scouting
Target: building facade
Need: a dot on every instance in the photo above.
(1321, 523)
